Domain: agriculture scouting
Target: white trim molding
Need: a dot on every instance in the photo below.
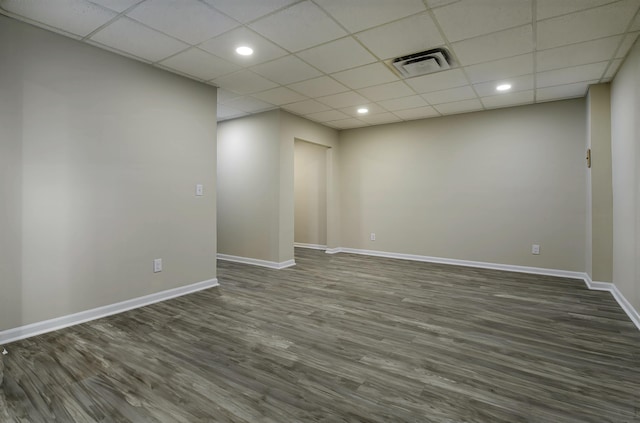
(617, 295)
(593, 285)
(62, 322)
(258, 262)
(597, 286)
(310, 246)
(626, 306)
(333, 250)
(467, 263)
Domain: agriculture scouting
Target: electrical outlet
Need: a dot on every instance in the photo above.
(157, 265)
(535, 249)
(373, 236)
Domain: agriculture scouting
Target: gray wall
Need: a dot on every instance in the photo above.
(293, 128)
(599, 235)
(625, 151)
(99, 156)
(248, 186)
(481, 186)
(310, 186)
(10, 179)
(256, 183)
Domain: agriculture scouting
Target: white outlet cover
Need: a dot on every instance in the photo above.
(157, 265)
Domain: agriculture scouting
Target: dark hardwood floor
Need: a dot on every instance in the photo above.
(341, 338)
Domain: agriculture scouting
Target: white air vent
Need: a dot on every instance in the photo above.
(422, 63)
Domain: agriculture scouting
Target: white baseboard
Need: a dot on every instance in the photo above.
(626, 306)
(596, 286)
(57, 323)
(467, 263)
(257, 262)
(310, 246)
(333, 250)
(617, 295)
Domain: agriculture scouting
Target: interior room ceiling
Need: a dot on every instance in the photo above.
(324, 59)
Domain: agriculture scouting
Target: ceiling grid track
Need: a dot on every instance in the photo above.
(317, 58)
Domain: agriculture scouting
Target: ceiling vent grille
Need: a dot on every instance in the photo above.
(422, 63)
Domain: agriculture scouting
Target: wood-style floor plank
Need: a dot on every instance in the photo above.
(341, 338)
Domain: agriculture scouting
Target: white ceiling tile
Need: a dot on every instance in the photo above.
(410, 35)
(636, 24)
(438, 81)
(226, 112)
(345, 99)
(459, 107)
(138, 40)
(356, 15)
(248, 10)
(508, 99)
(280, 96)
(498, 45)
(244, 82)
(386, 91)
(298, 27)
(580, 42)
(417, 113)
(577, 54)
(306, 107)
(318, 87)
(499, 69)
(487, 16)
(563, 91)
(403, 103)
(249, 104)
(226, 95)
(518, 83)
(286, 70)
(372, 107)
(199, 64)
(550, 8)
(571, 75)
(188, 20)
(613, 69)
(365, 76)
(337, 55)
(346, 123)
(225, 46)
(327, 116)
(452, 94)
(587, 25)
(381, 118)
(73, 16)
(117, 5)
(627, 43)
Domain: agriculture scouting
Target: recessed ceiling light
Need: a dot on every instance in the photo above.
(244, 51)
(503, 87)
(363, 110)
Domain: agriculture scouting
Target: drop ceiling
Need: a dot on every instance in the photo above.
(324, 59)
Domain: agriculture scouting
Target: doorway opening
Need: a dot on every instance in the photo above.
(310, 195)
